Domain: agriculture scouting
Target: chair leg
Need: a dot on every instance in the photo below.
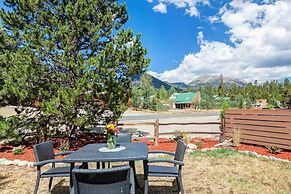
(85, 165)
(37, 181)
(180, 183)
(50, 183)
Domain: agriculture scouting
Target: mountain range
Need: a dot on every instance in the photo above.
(214, 80)
(200, 81)
(157, 83)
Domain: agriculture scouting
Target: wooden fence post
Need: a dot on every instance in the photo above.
(222, 130)
(156, 132)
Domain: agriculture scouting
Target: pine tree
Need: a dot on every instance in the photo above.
(163, 94)
(286, 94)
(221, 87)
(73, 57)
(147, 90)
(240, 100)
(172, 91)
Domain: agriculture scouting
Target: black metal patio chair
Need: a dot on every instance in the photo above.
(103, 181)
(123, 137)
(170, 171)
(44, 154)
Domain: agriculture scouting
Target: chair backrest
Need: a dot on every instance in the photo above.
(123, 137)
(180, 150)
(102, 181)
(44, 151)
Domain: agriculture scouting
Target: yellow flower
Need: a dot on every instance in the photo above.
(110, 126)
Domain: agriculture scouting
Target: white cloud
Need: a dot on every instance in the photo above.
(213, 19)
(261, 50)
(162, 8)
(190, 6)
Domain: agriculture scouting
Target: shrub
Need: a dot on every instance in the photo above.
(274, 149)
(223, 106)
(199, 144)
(7, 130)
(64, 146)
(3, 128)
(179, 134)
(187, 138)
(18, 150)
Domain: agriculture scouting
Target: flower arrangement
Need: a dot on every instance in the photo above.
(111, 132)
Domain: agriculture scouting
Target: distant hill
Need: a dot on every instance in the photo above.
(214, 80)
(180, 85)
(156, 82)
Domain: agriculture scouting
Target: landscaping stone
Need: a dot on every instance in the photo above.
(8, 162)
(23, 163)
(16, 161)
(2, 161)
(192, 146)
(224, 143)
(30, 164)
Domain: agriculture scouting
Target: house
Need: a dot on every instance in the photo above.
(185, 100)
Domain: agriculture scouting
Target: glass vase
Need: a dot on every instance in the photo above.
(111, 143)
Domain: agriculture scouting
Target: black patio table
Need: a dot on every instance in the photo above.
(90, 153)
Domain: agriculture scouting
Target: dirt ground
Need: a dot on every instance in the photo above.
(210, 173)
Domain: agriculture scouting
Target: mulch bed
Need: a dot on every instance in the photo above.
(164, 144)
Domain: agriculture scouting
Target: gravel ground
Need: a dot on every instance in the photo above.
(214, 173)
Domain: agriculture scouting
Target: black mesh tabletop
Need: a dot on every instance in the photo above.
(90, 153)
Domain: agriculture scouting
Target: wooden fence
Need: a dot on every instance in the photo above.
(260, 127)
(157, 133)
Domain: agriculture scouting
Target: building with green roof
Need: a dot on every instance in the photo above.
(185, 100)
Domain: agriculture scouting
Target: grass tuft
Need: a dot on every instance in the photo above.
(217, 153)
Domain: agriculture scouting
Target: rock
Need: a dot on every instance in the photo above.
(8, 162)
(2, 161)
(22, 163)
(189, 151)
(30, 164)
(16, 161)
(225, 143)
(192, 146)
(265, 157)
(272, 158)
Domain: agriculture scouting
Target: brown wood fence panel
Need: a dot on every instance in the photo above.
(261, 127)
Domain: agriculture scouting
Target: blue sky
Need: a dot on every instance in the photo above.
(243, 39)
(168, 37)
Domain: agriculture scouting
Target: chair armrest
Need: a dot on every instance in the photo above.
(167, 161)
(161, 152)
(63, 153)
(42, 163)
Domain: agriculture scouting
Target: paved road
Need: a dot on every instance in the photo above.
(139, 117)
(152, 116)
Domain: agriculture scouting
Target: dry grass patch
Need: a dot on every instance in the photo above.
(223, 171)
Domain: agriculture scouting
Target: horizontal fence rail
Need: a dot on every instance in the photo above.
(193, 123)
(260, 127)
(157, 125)
(134, 124)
